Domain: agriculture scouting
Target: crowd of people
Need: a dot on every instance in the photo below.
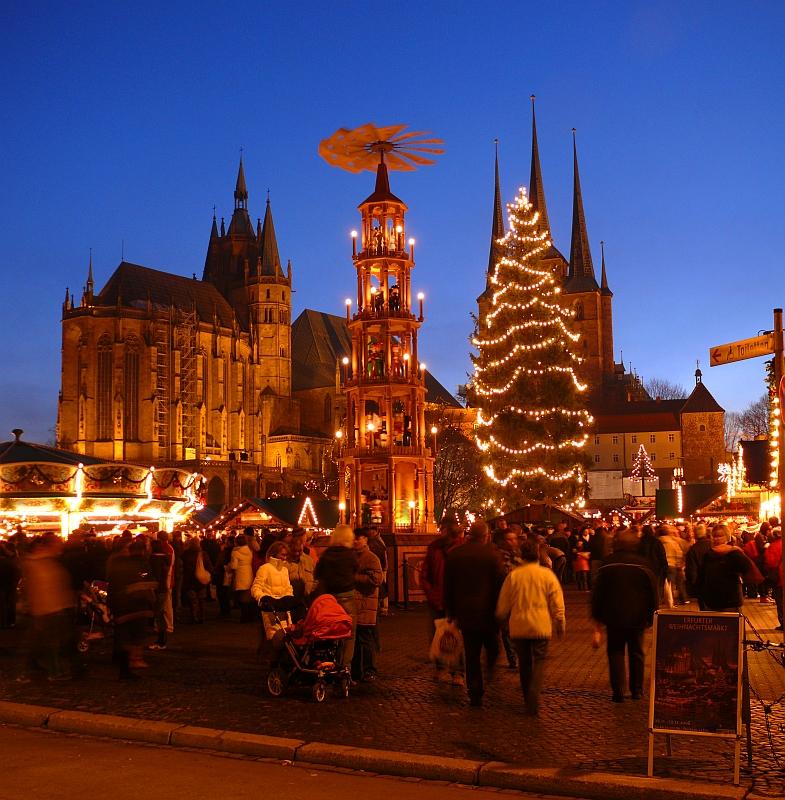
(506, 588)
(502, 590)
(151, 581)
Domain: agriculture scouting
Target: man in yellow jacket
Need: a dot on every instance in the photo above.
(532, 600)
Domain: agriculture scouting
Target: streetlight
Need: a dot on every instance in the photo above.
(341, 509)
(411, 513)
(354, 244)
(345, 362)
(434, 431)
(371, 428)
(421, 297)
(348, 302)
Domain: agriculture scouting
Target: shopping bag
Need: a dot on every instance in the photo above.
(447, 644)
(668, 594)
(202, 575)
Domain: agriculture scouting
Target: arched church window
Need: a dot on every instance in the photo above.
(578, 311)
(297, 462)
(131, 380)
(277, 460)
(104, 389)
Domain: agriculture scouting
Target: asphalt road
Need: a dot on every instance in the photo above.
(51, 766)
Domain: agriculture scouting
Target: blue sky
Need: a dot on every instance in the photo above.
(122, 122)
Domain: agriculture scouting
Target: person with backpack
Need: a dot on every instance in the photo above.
(720, 576)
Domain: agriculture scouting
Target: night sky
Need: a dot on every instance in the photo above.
(124, 122)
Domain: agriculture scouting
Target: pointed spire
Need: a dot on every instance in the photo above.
(497, 223)
(90, 282)
(214, 228)
(223, 227)
(581, 276)
(259, 228)
(536, 188)
(240, 189)
(381, 191)
(271, 261)
(604, 278)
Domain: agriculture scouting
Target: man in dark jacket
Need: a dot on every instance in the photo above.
(473, 576)
(694, 559)
(624, 599)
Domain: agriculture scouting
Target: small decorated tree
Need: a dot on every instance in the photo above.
(642, 469)
(533, 424)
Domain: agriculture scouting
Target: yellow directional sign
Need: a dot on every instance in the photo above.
(744, 348)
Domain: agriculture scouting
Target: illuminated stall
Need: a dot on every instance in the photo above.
(43, 488)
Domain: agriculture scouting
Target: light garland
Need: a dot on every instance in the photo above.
(305, 511)
(774, 441)
(527, 319)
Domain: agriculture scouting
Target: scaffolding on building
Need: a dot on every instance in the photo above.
(163, 352)
(186, 338)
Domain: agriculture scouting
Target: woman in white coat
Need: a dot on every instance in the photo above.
(241, 564)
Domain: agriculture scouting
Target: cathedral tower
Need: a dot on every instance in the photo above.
(386, 466)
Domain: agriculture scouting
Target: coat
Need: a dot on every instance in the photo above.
(432, 575)
(625, 593)
(336, 569)
(473, 576)
(368, 580)
(272, 580)
(532, 599)
(242, 565)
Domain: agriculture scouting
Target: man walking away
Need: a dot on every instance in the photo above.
(721, 573)
(694, 559)
(624, 599)
(532, 599)
(472, 579)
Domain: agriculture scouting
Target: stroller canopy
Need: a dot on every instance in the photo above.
(326, 619)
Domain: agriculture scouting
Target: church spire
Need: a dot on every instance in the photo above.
(536, 188)
(240, 189)
(581, 276)
(90, 283)
(497, 224)
(604, 279)
(271, 260)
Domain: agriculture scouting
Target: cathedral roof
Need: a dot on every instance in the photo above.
(135, 285)
(320, 340)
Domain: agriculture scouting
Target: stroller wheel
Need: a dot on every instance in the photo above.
(276, 682)
(83, 645)
(319, 691)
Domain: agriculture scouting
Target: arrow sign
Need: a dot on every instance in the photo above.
(744, 348)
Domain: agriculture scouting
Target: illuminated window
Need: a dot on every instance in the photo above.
(277, 460)
(104, 392)
(671, 437)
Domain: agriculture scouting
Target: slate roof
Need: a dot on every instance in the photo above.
(701, 401)
(320, 339)
(135, 284)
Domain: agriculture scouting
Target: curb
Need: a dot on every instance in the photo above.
(495, 774)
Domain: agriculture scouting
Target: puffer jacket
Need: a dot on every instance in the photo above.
(532, 598)
(241, 563)
(272, 580)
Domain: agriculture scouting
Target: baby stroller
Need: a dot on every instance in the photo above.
(94, 606)
(310, 650)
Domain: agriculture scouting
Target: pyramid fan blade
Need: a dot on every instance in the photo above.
(411, 135)
(413, 149)
(418, 159)
(388, 133)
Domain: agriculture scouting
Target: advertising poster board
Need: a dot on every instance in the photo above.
(696, 677)
(696, 673)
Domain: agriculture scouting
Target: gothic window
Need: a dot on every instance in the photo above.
(283, 352)
(277, 460)
(104, 392)
(579, 311)
(297, 462)
(328, 408)
(268, 294)
(131, 380)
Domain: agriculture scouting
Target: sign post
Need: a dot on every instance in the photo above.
(770, 343)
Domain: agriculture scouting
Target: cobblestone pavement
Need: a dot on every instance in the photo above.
(210, 676)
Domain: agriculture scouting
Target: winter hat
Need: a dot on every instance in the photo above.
(342, 536)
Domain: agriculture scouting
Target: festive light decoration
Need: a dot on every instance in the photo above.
(733, 474)
(774, 441)
(308, 512)
(532, 423)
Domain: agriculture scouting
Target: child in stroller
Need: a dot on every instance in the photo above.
(308, 653)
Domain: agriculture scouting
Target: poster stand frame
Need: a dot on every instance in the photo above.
(742, 674)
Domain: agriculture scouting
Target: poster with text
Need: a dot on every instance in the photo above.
(696, 673)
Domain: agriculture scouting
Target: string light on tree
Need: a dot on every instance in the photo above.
(532, 422)
(642, 468)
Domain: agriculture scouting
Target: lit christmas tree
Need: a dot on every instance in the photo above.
(532, 419)
(642, 469)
